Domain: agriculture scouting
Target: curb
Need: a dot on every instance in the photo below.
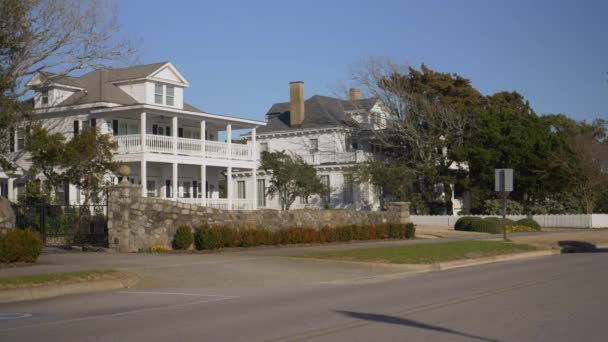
(448, 265)
(60, 289)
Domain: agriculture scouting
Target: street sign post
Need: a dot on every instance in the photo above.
(503, 182)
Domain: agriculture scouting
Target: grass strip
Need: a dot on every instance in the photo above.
(426, 253)
(54, 278)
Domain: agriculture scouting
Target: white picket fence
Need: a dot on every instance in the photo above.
(549, 221)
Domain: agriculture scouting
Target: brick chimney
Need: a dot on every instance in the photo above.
(355, 94)
(296, 107)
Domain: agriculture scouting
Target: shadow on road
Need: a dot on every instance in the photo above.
(570, 246)
(409, 323)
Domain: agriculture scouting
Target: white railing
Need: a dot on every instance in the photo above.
(241, 152)
(183, 146)
(128, 143)
(221, 203)
(215, 149)
(549, 221)
(318, 158)
(159, 143)
(189, 146)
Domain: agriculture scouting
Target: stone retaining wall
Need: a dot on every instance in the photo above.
(136, 222)
(7, 216)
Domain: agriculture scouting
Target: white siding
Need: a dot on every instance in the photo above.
(136, 91)
(167, 74)
(179, 96)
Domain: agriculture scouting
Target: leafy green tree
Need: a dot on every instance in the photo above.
(47, 153)
(291, 177)
(87, 159)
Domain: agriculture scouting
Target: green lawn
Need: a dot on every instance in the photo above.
(42, 279)
(425, 253)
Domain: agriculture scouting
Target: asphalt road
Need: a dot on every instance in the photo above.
(557, 298)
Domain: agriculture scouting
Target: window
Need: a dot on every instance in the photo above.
(20, 139)
(186, 189)
(240, 187)
(263, 147)
(11, 140)
(44, 97)
(326, 186)
(86, 124)
(261, 192)
(314, 145)
(158, 93)
(348, 189)
(151, 188)
(76, 127)
(161, 131)
(170, 96)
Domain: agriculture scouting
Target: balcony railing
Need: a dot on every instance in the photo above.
(221, 203)
(319, 158)
(183, 146)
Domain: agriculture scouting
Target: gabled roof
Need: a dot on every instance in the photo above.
(99, 85)
(319, 112)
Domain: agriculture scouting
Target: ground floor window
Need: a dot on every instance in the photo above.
(347, 190)
(326, 187)
(151, 188)
(261, 193)
(240, 186)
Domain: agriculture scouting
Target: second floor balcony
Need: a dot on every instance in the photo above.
(132, 143)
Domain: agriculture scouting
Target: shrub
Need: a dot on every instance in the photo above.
(528, 222)
(465, 223)
(492, 225)
(183, 238)
(519, 228)
(157, 249)
(20, 246)
(410, 231)
(208, 237)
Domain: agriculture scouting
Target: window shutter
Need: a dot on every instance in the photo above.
(12, 140)
(194, 189)
(115, 127)
(168, 131)
(155, 129)
(93, 122)
(180, 132)
(168, 188)
(76, 127)
(66, 192)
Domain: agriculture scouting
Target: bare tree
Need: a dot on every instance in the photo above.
(585, 161)
(420, 128)
(58, 36)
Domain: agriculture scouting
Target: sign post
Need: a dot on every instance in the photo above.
(503, 183)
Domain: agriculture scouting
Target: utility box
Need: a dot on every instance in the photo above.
(503, 180)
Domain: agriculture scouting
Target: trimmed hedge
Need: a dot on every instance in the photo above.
(183, 238)
(20, 246)
(212, 237)
(528, 222)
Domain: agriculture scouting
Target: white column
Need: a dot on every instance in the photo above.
(255, 188)
(174, 128)
(142, 130)
(229, 140)
(254, 147)
(204, 183)
(174, 182)
(254, 152)
(144, 177)
(10, 193)
(229, 187)
(203, 138)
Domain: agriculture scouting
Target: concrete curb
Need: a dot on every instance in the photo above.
(440, 266)
(60, 289)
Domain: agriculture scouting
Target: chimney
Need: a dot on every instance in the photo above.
(296, 107)
(355, 94)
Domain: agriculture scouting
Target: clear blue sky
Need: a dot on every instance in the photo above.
(239, 56)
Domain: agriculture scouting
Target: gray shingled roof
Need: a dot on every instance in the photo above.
(319, 112)
(97, 85)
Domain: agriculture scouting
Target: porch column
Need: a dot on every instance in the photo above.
(203, 138)
(174, 182)
(204, 184)
(10, 193)
(174, 129)
(254, 152)
(144, 178)
(229, 187)
(229, 140)
(142, 130)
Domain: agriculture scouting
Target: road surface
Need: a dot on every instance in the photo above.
(556, 298)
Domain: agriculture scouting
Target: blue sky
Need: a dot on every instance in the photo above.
(239, 56)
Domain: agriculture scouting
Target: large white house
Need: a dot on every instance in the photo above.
(330, 133)
(173, 149)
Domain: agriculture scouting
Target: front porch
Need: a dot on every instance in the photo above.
(205, 185)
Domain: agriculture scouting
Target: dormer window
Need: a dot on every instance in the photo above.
(170, 99)
(158, 93)
(44, 97)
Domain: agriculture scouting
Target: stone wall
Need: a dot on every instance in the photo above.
(136, 222)
(7, 216)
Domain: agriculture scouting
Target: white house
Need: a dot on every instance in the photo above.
(330, 133)
(173, 149)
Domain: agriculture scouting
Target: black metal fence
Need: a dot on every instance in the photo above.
(65, 224)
